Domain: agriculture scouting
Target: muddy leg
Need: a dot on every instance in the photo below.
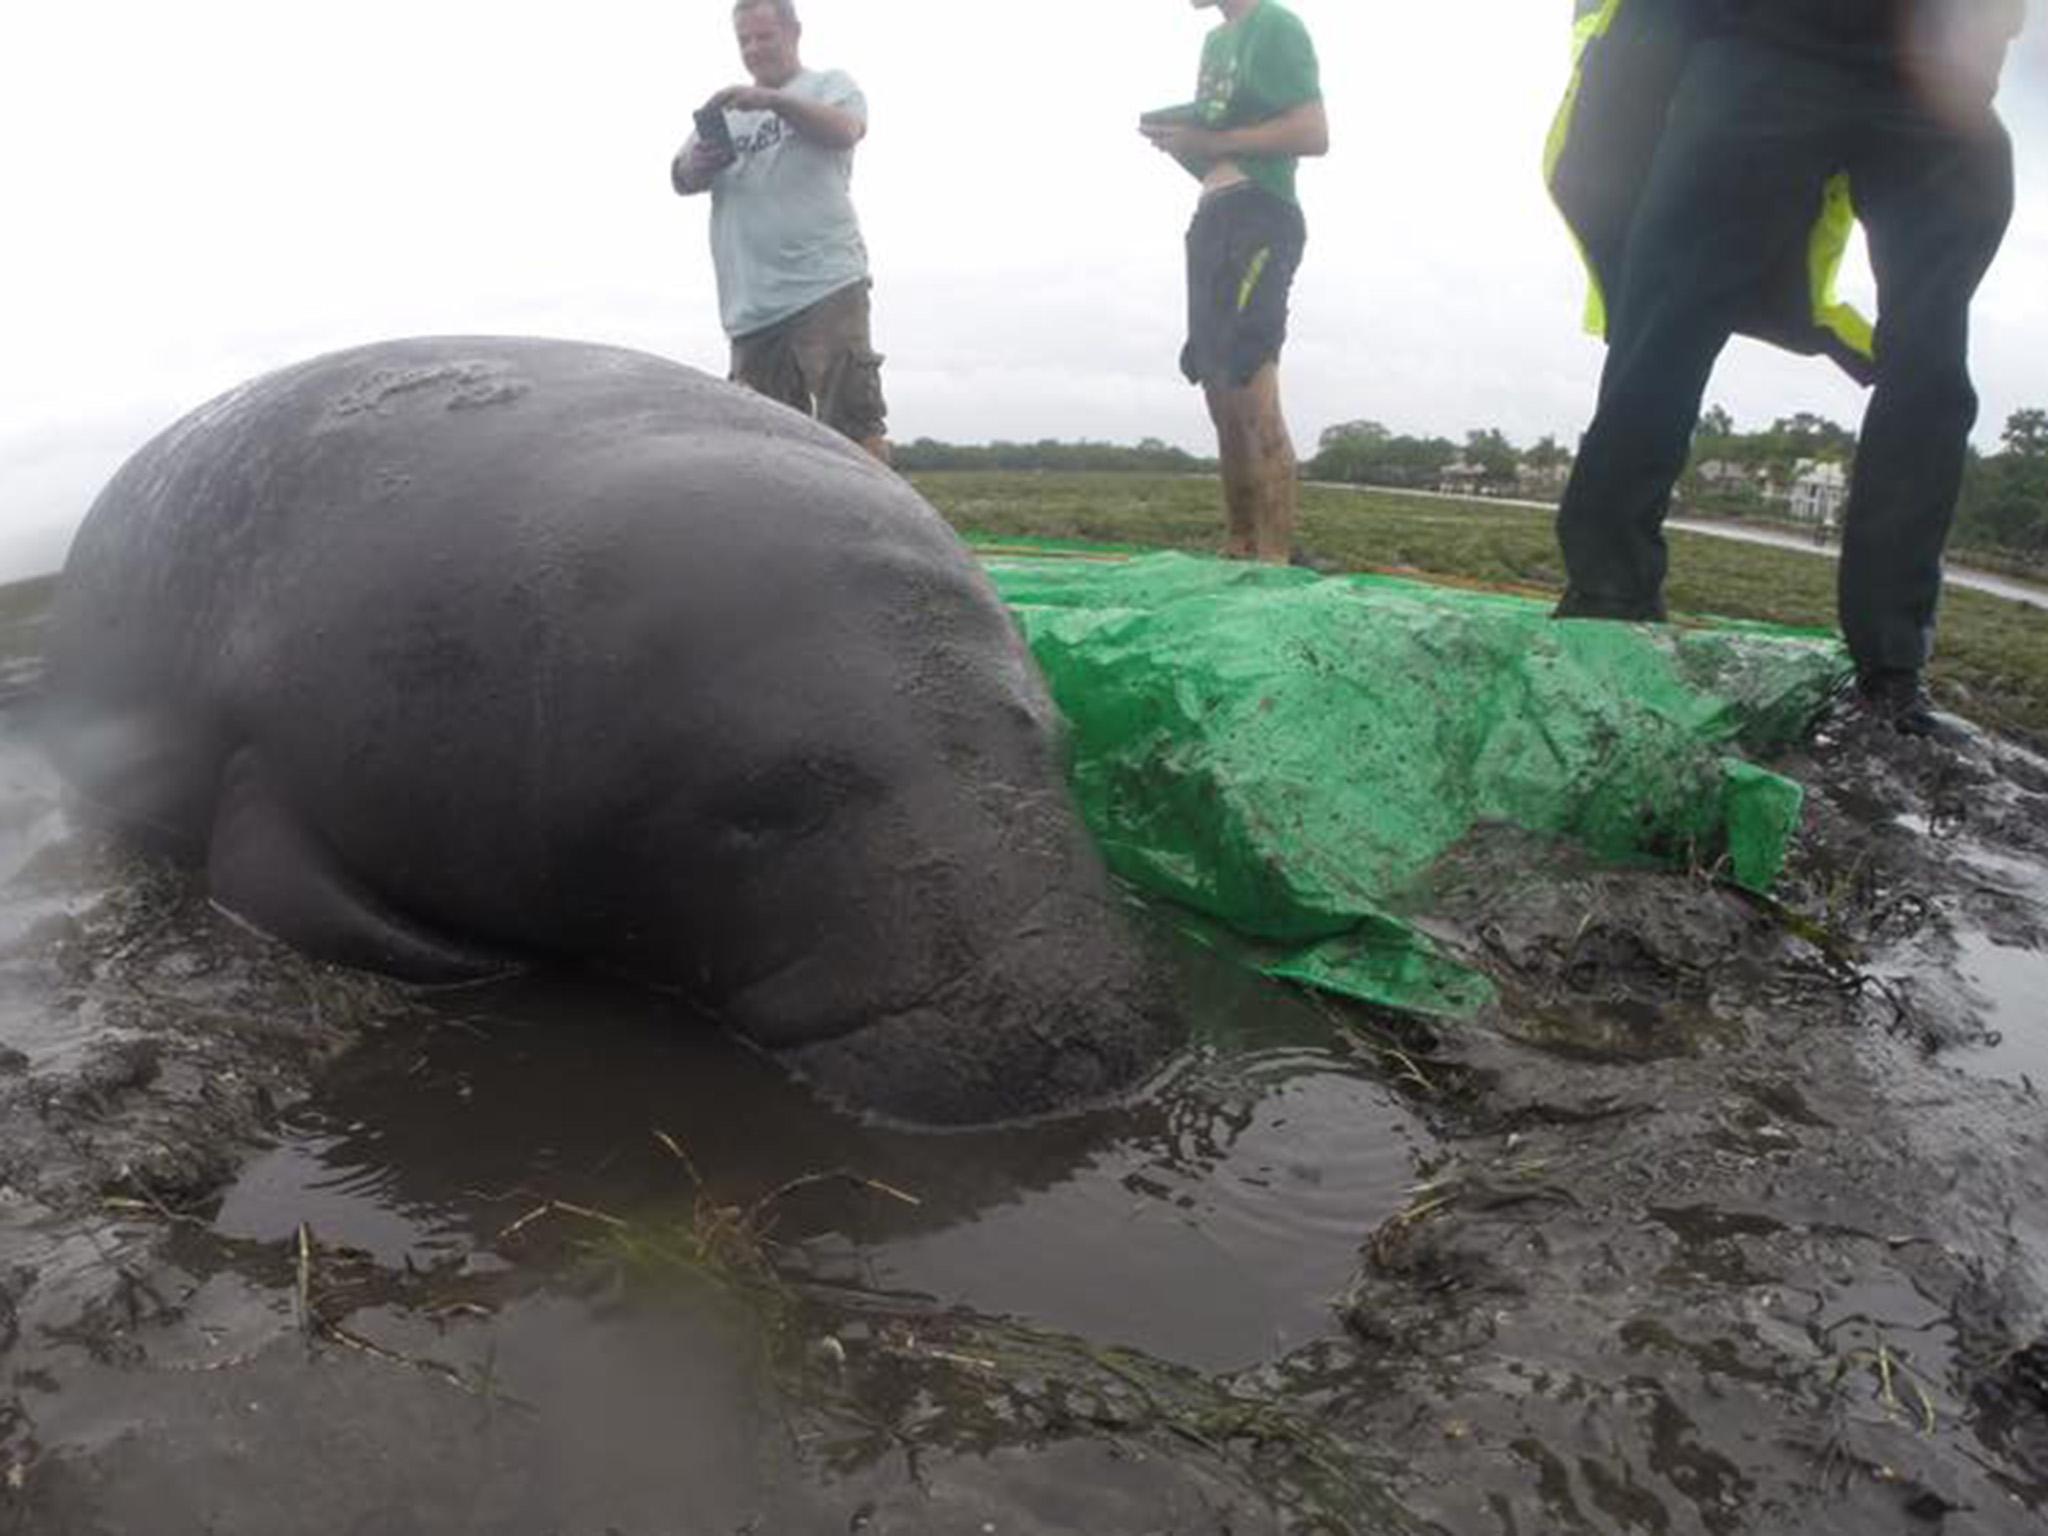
(1259, 483)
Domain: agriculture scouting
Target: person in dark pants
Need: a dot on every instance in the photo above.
(1774, 100)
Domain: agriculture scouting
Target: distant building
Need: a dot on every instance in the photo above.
(1726, 487)
(1546, 481)
(1816, 494)
(1727, 475)
(1459, 478)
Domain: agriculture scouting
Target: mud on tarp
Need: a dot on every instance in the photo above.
(1288, 754)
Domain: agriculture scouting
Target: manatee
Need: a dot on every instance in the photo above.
(447, 656)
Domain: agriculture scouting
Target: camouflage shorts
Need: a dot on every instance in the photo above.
(821, 362)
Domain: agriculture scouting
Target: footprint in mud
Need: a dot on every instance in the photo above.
(1597, 964)
(1932, 873)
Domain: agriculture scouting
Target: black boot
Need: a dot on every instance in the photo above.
(1896, 697)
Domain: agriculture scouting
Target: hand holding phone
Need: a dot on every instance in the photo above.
(713, 133)
(1157, 121)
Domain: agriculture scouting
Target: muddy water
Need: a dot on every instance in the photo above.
(1211, 1223)
(1733, 1217)
(1182, 1227)
(2014, 984)
(2004, 966)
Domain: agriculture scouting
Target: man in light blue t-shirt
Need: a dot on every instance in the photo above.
(792, 268)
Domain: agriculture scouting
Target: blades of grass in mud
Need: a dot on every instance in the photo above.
(513, 1229)
(905, 1377)
(1842, 963)
(315, 1327)
(1928, 1421)
(148, 1202)
(1405, 1069)
(559, 1208)
(1390, 1053)
(302, 1290)
(1822, 933)
(1889, 1371)
(1886, 1394)
(675, 1149)
(953, 1381)
(726, 1240)
(439, 1370)
(835, 1176)
(570, 1208)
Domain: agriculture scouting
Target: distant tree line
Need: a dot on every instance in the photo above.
(1731, 473)
(1367, 453)
(1150, 456)
(2005, 494)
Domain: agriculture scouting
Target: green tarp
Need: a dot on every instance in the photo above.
(1287, 753)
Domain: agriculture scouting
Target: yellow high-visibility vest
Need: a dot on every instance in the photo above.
(1627, 56)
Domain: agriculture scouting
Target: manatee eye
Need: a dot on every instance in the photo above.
(792, 800)
(762, 815)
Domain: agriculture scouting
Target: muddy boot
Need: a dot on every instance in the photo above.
(1896, 698)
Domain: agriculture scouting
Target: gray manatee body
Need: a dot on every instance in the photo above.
(454, 653)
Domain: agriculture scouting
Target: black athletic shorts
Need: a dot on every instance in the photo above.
(1243, 249)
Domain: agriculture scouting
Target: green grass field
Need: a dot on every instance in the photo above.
(1993, 664)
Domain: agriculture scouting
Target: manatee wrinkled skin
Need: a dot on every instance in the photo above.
(451, 654)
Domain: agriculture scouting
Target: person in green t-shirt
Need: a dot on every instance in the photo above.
(1258, 108)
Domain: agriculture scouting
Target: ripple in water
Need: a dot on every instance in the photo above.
(1210, 1222)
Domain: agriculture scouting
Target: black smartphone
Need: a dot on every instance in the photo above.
(1170, 117)
(712, 131)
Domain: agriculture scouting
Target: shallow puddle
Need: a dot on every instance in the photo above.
(2001, 962)
(1211, 1221)
(2013, 982)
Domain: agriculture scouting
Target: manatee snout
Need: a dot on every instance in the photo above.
(990, 1053)
(1070, 1009)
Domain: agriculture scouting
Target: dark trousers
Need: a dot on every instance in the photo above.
(1754, 134)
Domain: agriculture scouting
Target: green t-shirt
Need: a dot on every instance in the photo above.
(1256, 68)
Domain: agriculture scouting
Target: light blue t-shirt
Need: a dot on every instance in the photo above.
(783, 231)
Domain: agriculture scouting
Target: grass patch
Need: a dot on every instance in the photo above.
(1993, 661)
(868, 1376)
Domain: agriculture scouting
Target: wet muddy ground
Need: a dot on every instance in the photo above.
(1732, 1217)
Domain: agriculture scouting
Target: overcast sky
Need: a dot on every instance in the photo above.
(204, 190)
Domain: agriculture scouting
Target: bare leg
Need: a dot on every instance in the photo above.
(1259, 484)
(1278, 484)
(1234, 451)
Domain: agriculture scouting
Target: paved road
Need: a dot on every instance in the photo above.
(1958, 576)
